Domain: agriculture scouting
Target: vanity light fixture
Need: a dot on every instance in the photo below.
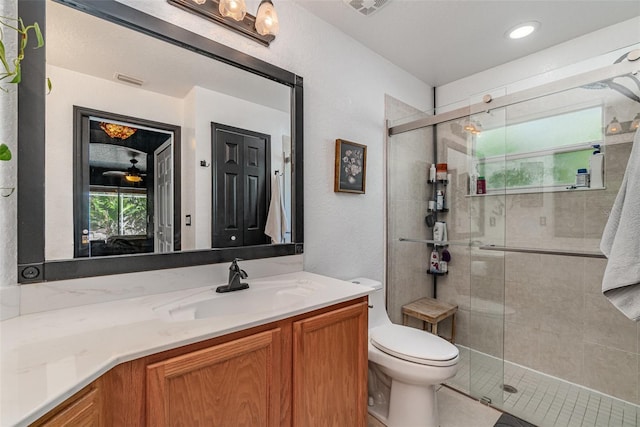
(522, 30)
(233, 15)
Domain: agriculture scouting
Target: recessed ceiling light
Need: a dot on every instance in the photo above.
(522, 30)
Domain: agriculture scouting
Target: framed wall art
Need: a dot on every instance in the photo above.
(351, 167)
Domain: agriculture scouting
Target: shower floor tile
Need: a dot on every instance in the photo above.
(540, 399)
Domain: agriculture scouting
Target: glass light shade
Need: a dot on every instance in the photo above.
(133, 178)
(635, 124)
(117, 131)
(235, 9)
(613, 127)
(267, 19)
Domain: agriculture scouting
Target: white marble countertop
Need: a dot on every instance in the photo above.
(47, 357)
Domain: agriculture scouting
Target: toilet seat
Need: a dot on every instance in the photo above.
(414, 345)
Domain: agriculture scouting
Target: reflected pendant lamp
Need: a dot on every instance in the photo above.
(235, 9)
(267, 19)
(117, 131)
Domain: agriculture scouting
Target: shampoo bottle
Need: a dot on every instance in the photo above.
(596, 167)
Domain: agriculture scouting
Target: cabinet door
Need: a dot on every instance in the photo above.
(330, 368)
(232, 384)
(81, 411)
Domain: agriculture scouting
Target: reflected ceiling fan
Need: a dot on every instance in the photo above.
(132, 174)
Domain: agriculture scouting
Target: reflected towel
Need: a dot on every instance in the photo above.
(277, 223)
(621, 241)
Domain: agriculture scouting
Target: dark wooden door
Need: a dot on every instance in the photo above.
(241, 159)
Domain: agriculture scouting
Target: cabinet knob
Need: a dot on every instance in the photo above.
(233, 237)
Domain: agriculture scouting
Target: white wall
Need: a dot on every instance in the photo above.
(9, 295)
(344, 88)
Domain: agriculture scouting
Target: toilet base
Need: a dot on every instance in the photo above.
(412, 406)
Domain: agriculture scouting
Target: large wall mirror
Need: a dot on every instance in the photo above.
(156, 148)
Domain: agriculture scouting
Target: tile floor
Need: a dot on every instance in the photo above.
(541, 399)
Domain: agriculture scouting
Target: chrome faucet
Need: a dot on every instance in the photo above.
(235, 275)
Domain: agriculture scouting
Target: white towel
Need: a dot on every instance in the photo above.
(621, 241)
(277, 223)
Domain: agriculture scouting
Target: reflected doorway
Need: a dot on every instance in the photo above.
(242, 161)
(125, 185)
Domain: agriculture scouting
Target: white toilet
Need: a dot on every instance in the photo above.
(405, 365)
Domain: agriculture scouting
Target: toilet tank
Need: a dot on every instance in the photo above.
(377, 309)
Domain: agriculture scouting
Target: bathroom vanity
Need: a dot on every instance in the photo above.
(162, 362)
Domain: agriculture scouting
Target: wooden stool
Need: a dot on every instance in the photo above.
(430, 311)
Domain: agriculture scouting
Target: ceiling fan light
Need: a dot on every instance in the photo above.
(235, 9)
(133, 178)
(267, 19)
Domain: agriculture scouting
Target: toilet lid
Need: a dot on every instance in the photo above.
(414, 345)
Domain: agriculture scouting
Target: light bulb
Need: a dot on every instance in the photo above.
(267, 19)
(235, 9)
(613, 127)
(199, 1)
(635, 124)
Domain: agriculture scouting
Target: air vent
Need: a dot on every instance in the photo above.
(366, 7)
(129, 79)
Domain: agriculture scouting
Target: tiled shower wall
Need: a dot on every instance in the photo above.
(409, 156)
(556, 319)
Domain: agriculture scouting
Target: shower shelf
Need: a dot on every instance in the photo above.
(562, 252)
(433, 242)
(437, 273)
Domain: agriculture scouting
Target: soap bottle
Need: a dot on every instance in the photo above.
(432, 173)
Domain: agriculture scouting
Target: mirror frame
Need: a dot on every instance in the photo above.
(32, 266)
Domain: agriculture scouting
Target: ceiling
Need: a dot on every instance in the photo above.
(440, 41)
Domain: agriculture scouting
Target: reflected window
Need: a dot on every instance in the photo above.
(544, 152)
(117, 212)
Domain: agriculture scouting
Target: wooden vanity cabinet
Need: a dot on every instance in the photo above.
(330, 368)
(232, 384)
(84, 409)
(307, 370)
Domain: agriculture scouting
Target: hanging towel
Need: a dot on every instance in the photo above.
(277, 224)
(621, 241)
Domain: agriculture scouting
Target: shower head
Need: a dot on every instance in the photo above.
(611, 84)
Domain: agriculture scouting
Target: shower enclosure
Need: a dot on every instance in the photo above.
(537, 338)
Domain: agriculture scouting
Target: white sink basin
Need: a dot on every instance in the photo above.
(258, 299)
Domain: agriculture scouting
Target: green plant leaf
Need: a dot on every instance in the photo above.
(49, 86)
(18, 75)
(36, 29)
(3, 56)
(5, 153)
